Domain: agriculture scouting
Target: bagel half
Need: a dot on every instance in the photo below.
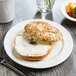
(30, 51)
(42, 32)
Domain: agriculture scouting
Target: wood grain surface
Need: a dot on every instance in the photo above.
(27, 9)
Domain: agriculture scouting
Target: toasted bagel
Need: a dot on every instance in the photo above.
(42, 32)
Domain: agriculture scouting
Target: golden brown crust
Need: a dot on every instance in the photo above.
(41, 31)
(31, 58)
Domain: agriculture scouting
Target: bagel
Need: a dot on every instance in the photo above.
(42, 32)
(29, 51)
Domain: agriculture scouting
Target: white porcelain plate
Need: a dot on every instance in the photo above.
(63, 9)
(60, 52)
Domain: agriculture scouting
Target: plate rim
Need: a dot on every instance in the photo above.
(32, 66)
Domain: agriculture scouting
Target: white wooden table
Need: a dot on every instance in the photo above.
(27, 9)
